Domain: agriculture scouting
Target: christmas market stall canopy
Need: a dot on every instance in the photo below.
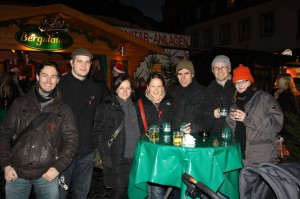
(85, 31)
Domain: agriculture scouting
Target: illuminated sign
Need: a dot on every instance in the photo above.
(160, 38)
(35, 39)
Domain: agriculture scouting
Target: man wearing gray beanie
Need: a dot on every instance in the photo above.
(220, 92)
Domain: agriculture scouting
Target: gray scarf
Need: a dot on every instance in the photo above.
(132, 131)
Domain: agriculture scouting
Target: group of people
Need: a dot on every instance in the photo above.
(83, 116)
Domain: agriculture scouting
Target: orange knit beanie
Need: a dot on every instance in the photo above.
(242, 73)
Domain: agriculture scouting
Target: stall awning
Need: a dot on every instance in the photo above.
(77, 20)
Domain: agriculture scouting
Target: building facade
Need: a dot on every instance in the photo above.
(267, 25)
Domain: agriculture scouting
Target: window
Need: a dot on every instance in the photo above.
(199, 12)
(267, 24)
(213, 7)
(244, 29)
(195, 40)
(208, 38)
(225, 34)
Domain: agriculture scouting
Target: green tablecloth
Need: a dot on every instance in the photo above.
(216, 166)
(3, 113)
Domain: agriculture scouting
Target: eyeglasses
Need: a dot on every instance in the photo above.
(221, 68)
(241, 83)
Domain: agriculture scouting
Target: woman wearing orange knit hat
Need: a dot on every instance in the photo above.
(255, 119)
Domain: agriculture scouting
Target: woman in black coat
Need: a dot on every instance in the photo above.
(113, 110)
(158, 108)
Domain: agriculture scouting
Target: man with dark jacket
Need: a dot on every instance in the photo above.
(189, 99)
(82, 95)
(220, 92)
(45, 150)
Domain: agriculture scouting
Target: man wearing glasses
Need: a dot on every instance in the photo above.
(220, 92)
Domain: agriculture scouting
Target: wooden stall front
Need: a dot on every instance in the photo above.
(87, 32)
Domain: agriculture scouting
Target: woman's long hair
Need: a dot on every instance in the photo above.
(285, 82)
(10, 82)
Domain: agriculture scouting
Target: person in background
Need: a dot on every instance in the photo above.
(116, 108)
(96, 72)
(97, 75)
(142, 86)
(10, 88)
(118, 69)
(220, 92)
(83, 96)
(158, 107)
(287, 94)
(255, 119)
(189, 96)
(40, 154)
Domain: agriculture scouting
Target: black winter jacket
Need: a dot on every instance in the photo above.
(155, 115)
(83, 97)
(190, 107)
(116, 168)
(218, 96)
(34, 153)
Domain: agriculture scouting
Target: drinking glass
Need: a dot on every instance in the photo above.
(153, 133)
(177, 138)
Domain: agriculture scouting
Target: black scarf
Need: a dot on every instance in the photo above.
(44, 97)
(240, 131)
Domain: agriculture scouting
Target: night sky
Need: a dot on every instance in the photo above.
(150, 8)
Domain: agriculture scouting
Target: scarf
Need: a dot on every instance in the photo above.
(240, 131)
(45, 98)
(132, 131)
(155, 100)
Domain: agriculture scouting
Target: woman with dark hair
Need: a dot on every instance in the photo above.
(117, 112)
(158, 107)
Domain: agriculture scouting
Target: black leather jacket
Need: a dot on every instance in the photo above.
(35, 152)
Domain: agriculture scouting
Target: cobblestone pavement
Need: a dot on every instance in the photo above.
(98, 190)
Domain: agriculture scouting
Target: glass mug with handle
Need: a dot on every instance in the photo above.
(178, 138)
(153, 133)
(166, 132)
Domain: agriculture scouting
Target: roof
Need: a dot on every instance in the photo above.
(77, 20)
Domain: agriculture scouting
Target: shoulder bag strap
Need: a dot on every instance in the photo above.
(33, 124)
(143, 114)
(116, 133)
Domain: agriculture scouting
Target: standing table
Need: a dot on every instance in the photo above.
(213, 161)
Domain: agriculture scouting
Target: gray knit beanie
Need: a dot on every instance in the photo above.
(223, 59)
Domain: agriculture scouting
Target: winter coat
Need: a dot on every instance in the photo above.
(35, 152)
(219, 96)
(190, 107)
(116, 168)
(263, 121)
(288, 102)
(155, 115)
(83, 96)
